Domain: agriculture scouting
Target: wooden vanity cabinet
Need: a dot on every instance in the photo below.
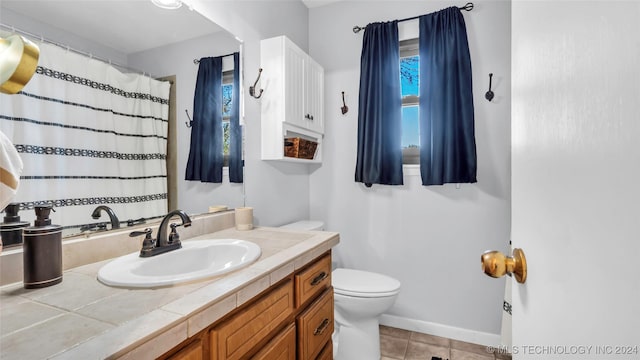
(282, 347)
(237, 336)
(315, 326)
(291, 320)
(327, 352)
(192, 351)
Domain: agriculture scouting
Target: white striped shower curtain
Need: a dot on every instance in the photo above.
(88, 135)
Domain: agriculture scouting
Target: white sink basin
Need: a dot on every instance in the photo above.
(196, 260)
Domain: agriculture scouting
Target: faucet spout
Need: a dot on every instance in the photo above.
(115, 223)
(162, 230)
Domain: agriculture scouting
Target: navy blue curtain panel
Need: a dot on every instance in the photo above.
(235, 141)
(379, 156)
(447, 139)
(205, 154)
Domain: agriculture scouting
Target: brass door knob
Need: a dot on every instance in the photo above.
(496, 264)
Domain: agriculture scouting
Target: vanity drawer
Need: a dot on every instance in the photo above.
(327, 352)
(193, 351)
(282, 347)
(234, 338)
(313, 280)
(315, 326)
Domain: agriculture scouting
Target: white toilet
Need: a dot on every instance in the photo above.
(360, 297)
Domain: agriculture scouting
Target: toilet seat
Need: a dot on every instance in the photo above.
(357, 283)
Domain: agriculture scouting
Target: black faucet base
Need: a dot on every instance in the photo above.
(159, 250)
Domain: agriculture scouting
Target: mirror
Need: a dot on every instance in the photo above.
(158, 42)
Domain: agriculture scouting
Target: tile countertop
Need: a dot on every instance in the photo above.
(81, 318)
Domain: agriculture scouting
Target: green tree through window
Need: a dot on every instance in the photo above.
(227, 101)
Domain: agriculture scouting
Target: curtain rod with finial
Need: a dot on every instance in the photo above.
(467, 7)
(197, 61)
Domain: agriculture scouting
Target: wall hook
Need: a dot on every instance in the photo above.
(489, 94)
(344, 107)
(252, 89)
(190, 122)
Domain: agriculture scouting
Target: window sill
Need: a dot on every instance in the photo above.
(411, 170)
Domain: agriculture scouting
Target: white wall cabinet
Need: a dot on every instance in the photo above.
(292, 104)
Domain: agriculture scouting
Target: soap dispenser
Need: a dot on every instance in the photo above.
(11, 228)
(42, 255)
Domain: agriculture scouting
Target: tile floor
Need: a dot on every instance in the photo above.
(398, 344)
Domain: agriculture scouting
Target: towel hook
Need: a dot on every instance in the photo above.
(489, 94)
(344, 107)
(190, 122)
(252, 89)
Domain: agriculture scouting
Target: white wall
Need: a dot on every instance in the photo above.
(75, 41)
(430, 238)
(177, 59)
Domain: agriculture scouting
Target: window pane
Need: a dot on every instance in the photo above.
(410, 83)
(409, 75)
(225, 137)
(410, 127)
(227, 101)
(227, 91)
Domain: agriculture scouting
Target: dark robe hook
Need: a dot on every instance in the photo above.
(252, 89)
(489, 95)
(190, 122)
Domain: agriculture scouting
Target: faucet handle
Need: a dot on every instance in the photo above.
(174, 237)
(148, 242)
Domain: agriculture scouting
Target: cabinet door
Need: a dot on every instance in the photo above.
(282, 347)
(294, 84)
(327, 352)
(314, 98)
(236, 337)
(315, 326)
(192, 351)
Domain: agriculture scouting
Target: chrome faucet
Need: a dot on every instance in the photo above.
(115, 223)
(163, 243)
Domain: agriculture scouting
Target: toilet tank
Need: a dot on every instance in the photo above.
(305, 225)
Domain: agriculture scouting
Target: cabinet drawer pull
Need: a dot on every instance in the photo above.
(318, 279)
(322, 327)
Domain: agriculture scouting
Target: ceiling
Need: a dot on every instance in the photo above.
(129, 26)
(316, 3)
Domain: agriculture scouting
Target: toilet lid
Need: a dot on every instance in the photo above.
(363, 283)
(305, 225)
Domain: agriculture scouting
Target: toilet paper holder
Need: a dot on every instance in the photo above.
(496, 264)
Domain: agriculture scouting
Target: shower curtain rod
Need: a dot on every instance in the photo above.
(66, 47)
(468, 7)
(197, 61)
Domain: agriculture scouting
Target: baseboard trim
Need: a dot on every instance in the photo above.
(471, 336)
